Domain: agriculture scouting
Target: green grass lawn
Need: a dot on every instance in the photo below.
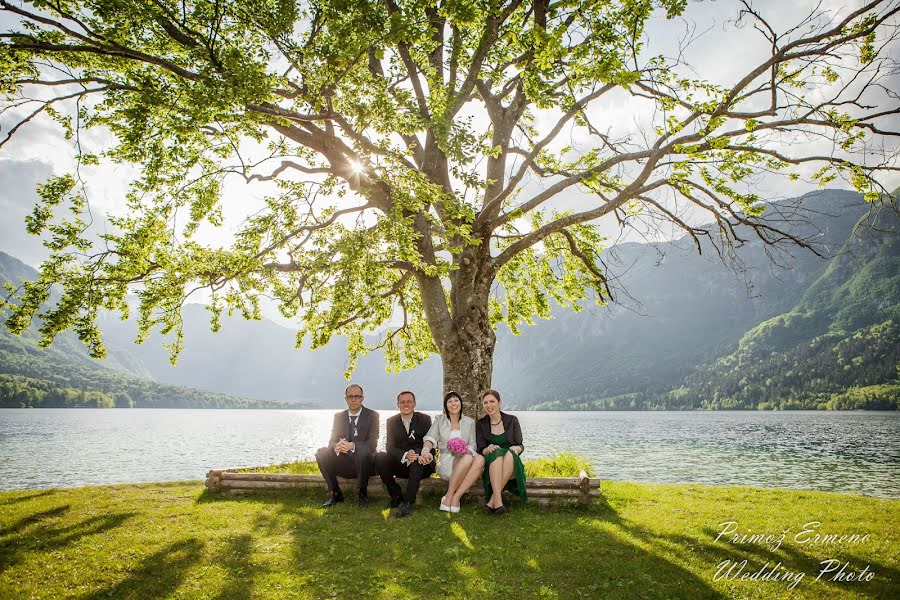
(642, 541)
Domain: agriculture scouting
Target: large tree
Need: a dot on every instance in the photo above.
(418, 147)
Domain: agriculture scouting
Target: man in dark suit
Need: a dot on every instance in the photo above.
(351, 449)
(405, 433)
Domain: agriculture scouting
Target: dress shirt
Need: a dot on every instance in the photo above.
(407, 425)
(350, 417)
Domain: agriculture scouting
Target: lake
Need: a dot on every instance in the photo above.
(852, 452)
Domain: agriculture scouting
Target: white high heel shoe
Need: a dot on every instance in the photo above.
(444, 507)
(454, 509)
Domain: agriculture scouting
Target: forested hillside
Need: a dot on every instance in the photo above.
(64, 375)
(33, 381)
(838, 347)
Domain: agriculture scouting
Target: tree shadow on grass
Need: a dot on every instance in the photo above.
(533, 551)
(794, 558)
(26, 497)
(577, 554)
(207, 496)
(787, 560)
(278, 496)
(271, 516)
(236, 559)
(22, 538)
(281, 498)
(885, 583)
(50, 513)
(158, 576)
(569, 551)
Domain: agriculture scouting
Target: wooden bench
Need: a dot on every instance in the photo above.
(542, 490)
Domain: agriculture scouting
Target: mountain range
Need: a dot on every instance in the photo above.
(686, 331)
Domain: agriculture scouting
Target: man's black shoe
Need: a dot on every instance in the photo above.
(335, 499)
(395, 502)
(363, 501)
(405, 509)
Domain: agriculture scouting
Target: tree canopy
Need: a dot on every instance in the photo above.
(417, 149)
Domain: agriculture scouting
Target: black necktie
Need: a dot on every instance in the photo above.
(353, 431)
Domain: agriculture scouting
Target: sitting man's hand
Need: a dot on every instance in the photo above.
(411, 456)
(426, 457)
(342, 447)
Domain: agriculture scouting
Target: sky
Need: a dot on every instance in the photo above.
(721, 54)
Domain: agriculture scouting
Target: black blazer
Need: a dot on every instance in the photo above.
(399, 442)
(367, 426)
(510, 426)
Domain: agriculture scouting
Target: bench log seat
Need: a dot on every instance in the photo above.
(542, 490)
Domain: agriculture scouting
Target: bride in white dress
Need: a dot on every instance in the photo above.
(461, 470)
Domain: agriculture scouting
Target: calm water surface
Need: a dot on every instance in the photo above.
(833, 451)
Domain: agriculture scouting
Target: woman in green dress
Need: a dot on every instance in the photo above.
(498, 438)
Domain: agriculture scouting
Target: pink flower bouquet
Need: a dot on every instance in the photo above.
(457, 445)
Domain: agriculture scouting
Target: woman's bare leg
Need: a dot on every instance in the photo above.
(476, 466)
(497, 482)
(509, 466)
(460, 468)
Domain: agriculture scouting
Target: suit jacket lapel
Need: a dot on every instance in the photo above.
(360, 420)
(362, 423)
(419, 425)
(399, 431)
(345, 426)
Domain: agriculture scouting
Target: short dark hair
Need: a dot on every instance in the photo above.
(447, 396)
(354, 385)
(406, 392)
(490, 392)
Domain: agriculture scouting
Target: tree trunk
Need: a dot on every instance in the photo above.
(461, 328)
(467, 353)
(468, 363)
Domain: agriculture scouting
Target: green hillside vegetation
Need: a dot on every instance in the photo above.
(54, 378)
(837, 348)
(25, 392)
(64, 376)
(836, 370)
(28, 381)
(17, 391)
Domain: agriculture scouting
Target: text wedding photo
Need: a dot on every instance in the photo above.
(449, 299)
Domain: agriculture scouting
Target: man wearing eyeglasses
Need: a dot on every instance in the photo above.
(351, 449)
